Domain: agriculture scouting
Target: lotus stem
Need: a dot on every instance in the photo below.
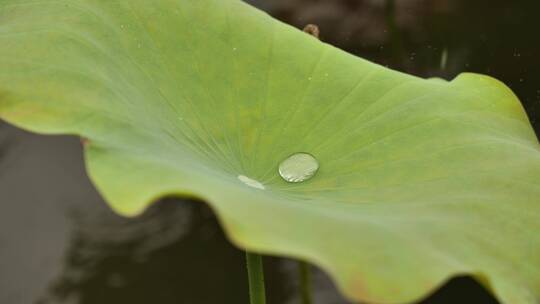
(305, 282)
(393, 30)
(257, 293)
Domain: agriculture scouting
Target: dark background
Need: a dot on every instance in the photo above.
(59, 243)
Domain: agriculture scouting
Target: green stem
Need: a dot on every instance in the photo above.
(305, 282)
(256, 278)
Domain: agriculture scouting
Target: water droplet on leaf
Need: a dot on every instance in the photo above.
(250, 182)
(298, 167)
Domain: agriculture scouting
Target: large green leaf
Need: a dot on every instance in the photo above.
(420, 180)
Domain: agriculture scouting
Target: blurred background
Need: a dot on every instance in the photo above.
(59, 242)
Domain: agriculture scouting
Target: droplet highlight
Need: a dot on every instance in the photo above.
(298, 167)
(251, 182)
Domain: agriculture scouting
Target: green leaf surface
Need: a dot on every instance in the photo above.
(419, 180)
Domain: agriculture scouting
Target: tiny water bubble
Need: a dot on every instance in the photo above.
(251, 182)
(298, 167)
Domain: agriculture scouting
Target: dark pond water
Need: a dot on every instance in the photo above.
(59, 243)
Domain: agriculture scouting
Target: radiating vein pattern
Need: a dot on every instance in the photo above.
(414, 180)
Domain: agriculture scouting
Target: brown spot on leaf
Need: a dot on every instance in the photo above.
(85, 141)
(360, 290)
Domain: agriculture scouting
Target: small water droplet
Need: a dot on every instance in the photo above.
(250, 182)
(298, 167)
